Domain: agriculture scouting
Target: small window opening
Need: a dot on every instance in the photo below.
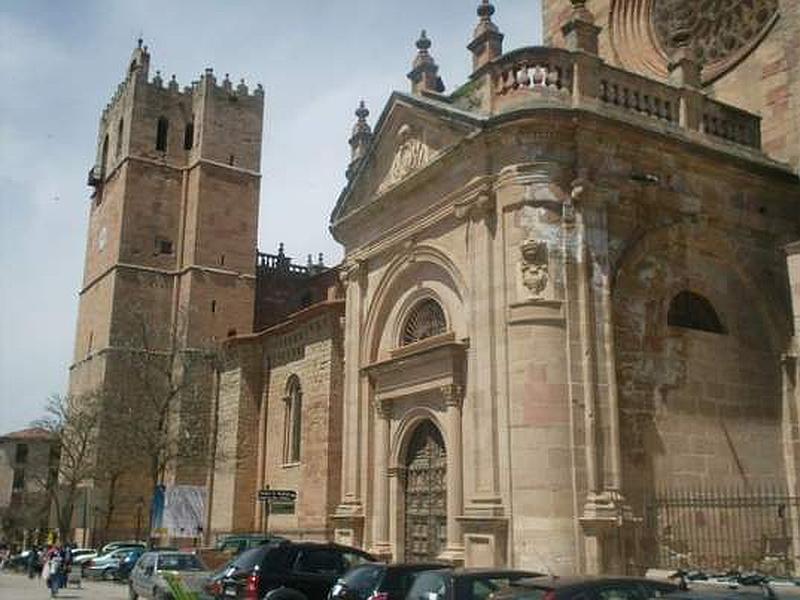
(118, 147)
(162, 128)
(21, 453)
(188, 136)
(89, 345)
(231, 159)
(164, 246)
(231, 332)
(104, 158)
(222, 259)
(213, 306)
(693, 311)
(292, 421)
(19, 480)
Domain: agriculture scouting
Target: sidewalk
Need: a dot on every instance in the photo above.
(15, 586)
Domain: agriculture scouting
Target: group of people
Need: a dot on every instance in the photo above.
(56, 561)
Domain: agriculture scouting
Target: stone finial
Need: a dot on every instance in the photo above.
(487, 41)
(173, 84)
(360, 139)
(424, 71)
(226, 83)
(157, 81)
(320, 261)
(580, 32)
(139, 65)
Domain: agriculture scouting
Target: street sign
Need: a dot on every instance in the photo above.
(277, 495)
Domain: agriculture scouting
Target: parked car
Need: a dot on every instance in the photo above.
(110, 547)
(104, 567)
(294, 570)
(19, 562)
(125, 566)
(83, 557)
(234, 545)
(464, 584)
(149, 577)
(378, 581)
(584, 588)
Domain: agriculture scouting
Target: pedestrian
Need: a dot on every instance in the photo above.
(31, 562)
(55, 567)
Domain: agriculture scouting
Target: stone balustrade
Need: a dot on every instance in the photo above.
(582, 80)
(533, 69)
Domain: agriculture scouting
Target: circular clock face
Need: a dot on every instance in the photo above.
(102, 237)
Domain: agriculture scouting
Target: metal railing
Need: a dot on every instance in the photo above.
(720, 529)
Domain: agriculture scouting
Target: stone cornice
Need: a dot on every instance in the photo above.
(178, 168)
(165, 272)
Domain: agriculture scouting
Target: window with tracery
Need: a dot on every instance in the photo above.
(293, 421)
(693, 311)
(426, 320)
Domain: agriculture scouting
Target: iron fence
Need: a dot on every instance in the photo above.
(723, 529)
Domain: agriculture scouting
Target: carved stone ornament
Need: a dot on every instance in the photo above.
(645, 33)
(411, 154)
(534, 266)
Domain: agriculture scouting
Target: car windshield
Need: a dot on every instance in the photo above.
(179, 562)
(249, 559)
(364, 579)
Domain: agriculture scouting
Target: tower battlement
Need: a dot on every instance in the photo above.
(148, 117)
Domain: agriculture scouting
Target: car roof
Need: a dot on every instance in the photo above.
(556, 582)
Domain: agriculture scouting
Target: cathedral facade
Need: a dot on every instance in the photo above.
(564, 289)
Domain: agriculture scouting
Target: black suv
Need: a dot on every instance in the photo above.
(377, 581)
(287, 570)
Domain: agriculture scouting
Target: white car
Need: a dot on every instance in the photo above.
(149, 577)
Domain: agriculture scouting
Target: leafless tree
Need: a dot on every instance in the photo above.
(73, 422)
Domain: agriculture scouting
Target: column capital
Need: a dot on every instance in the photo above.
(383, 408)
(453, 394)
(352, 270)
(476, 207)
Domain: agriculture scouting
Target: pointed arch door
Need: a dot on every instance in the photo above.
(425, 495)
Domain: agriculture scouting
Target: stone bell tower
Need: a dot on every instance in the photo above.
(171, 246)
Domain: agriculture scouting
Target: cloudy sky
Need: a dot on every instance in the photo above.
(60, 62)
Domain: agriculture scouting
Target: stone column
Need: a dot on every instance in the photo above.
(381, 546)
(791, 402)
(453, 395)
(349, 513)
(479, 210)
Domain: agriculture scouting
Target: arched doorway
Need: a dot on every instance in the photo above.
(425, 495)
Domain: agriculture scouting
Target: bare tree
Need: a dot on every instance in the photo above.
(73, 422)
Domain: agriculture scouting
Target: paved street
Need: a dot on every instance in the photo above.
(19, 587)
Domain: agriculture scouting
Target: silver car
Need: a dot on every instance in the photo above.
(149, 577)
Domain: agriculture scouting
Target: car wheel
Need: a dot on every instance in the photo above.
(107, 575)
(132, 595)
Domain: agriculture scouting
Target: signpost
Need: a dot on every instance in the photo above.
(268, 496)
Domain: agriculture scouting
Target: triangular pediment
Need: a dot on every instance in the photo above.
(410, 135)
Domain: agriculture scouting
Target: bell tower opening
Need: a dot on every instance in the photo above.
(425, 494)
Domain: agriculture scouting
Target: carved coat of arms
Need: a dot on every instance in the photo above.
(411, 154)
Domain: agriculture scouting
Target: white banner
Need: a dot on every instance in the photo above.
(184, 510)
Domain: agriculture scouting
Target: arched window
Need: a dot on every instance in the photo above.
(118, 147)
(693, 311)
(162, 128)
(293, 421)
(426, 320)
